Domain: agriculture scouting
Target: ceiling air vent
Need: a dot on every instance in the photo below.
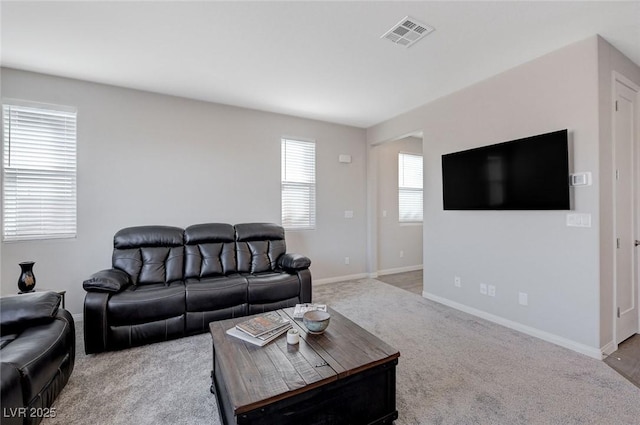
(407, 32)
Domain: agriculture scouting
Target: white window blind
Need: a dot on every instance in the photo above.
(409, 187)
(298, 184)
(39, 163)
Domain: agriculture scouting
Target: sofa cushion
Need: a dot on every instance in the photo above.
(209, 232)
(149, 254)
(127, 336)
(268, 287)
(215, 293)
(18, 312)
(258, 231)
(161, 264)
(210, 259)
(259, 245)
(146, 303)
(209, 250)
(138, 236)
(149, 265)
(37, 353)
(198, 321)
(128, 261)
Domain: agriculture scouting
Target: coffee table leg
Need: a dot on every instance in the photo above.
(213, 370)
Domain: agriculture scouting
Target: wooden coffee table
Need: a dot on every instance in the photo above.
(344, 376)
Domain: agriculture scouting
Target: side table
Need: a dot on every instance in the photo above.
(62, 293)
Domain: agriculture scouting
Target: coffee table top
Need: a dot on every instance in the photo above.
(257, 376)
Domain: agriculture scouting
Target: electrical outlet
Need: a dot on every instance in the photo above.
(523, 298)
(457, 282)
(492, 290)
(346, 260)
(401, 253)
(483, 288)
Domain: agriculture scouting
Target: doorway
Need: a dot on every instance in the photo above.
(398, 223)
(627, 206)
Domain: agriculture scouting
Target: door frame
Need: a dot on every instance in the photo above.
(619, 78)
(372, 199)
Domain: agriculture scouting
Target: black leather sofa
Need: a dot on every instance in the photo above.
(167, 282)
(37, 354)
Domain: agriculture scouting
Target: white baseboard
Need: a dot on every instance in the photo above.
(366, 275)
(546, 336)
(399, 270)
(340, 278)
(609, 348)
(372, 275)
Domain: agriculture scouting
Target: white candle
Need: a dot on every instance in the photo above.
(292, 337)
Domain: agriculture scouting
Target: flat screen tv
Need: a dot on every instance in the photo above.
(524, 174)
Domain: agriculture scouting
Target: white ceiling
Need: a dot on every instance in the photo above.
(321, 60)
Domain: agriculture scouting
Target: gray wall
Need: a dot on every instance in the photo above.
(527, 251)
(145, 158)
(394, 236)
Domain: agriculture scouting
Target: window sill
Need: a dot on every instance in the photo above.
(41, 238)
(410, 223)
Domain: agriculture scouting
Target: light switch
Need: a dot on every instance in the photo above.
(348, 214)
(578, 220)
(523, 298)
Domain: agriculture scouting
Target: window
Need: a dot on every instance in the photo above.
(39, 165)
(298, 184)
(409, 187)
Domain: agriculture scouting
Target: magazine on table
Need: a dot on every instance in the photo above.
(301, 309)
(262, 339)
(262, 324)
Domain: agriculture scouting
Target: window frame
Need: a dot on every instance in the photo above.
(311, 186)
(409, 189)
(66, 168)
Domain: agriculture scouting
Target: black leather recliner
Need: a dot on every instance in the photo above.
(167, 282)
(37, 355)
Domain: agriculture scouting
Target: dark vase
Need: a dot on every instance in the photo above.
(27, 281)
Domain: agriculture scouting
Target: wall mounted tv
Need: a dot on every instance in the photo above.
(524, 174)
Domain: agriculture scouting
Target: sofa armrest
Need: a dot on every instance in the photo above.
(95, 321)
(18, 312)
(110, 280)
(293, 262)
(10, 394)
(305, 286)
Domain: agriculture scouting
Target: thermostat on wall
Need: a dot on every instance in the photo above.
(346, 159)
(581, 179)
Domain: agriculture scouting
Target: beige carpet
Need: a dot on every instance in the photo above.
(454, 369)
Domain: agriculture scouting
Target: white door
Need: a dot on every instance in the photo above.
(625, 134)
